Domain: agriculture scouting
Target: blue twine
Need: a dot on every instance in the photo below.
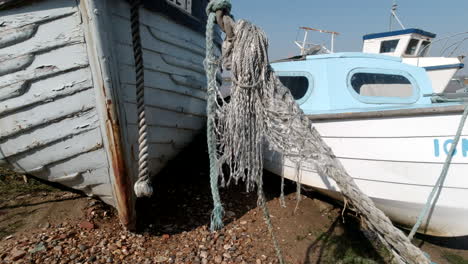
(211, 68)
(429, 257)
(441, 179)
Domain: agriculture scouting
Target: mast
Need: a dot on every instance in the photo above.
(394, 15)
(302, 45)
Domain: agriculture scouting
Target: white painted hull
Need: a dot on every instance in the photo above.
(397, 168)
(68, 100)
(440, 69)
(441, 78)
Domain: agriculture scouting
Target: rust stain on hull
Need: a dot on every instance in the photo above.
(123, 185)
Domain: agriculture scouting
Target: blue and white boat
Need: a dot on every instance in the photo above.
(413, 46)
(372, 110)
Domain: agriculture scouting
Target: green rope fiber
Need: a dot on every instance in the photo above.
(211, 67)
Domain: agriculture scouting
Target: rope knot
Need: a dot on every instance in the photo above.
(216, 5)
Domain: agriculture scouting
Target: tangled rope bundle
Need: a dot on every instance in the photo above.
(263, 112)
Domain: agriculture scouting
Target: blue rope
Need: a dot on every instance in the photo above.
(211, 67)
(441, 179)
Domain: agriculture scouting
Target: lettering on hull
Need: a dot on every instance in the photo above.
(443, 147)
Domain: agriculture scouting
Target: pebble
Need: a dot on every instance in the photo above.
(203, 254)
(39, 247)
(218, 259)
(160, 259)
(82, 247)
(86, 225)
(17, 254)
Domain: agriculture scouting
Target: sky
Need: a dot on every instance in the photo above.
(280, 19)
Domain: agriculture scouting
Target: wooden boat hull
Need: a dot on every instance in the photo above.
(396, 168)
(67, 92)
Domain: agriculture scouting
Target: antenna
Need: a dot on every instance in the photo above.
(394, 15)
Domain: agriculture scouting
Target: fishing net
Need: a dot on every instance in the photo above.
(262, 112)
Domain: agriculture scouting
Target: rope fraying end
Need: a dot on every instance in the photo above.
(217, 218)
(143, 188)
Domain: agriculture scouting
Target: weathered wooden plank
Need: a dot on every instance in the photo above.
(129, 92)
(157, 61)
(159, 152)
(49, 134)
(43, 37)
(41, 11)
(68, 148)
(165, 118)
(88, 172)
(11, 37)
(172, 101)
(15, 64)
(83, 162)
(159, 43)
(183, 63)
(44, 66)
(164, 25)
(43, 91)
(45, 114)
(163, 135)
(189, 81)
(157, 80)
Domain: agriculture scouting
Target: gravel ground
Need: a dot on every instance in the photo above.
(40, 224)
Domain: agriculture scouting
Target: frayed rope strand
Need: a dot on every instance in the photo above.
(266, 215)
(211, 69)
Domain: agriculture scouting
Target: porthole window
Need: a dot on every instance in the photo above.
(383, 86)
(299, 83)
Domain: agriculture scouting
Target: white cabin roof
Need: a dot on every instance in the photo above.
(410, 42)
(398, 33)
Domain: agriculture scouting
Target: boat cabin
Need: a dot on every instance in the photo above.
(410, 42)
(354, 82)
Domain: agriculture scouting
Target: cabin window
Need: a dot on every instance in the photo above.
(424, 48)
(412, 46)
(378, 84)
(389, 45)
(381, 86)
(299, 83)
